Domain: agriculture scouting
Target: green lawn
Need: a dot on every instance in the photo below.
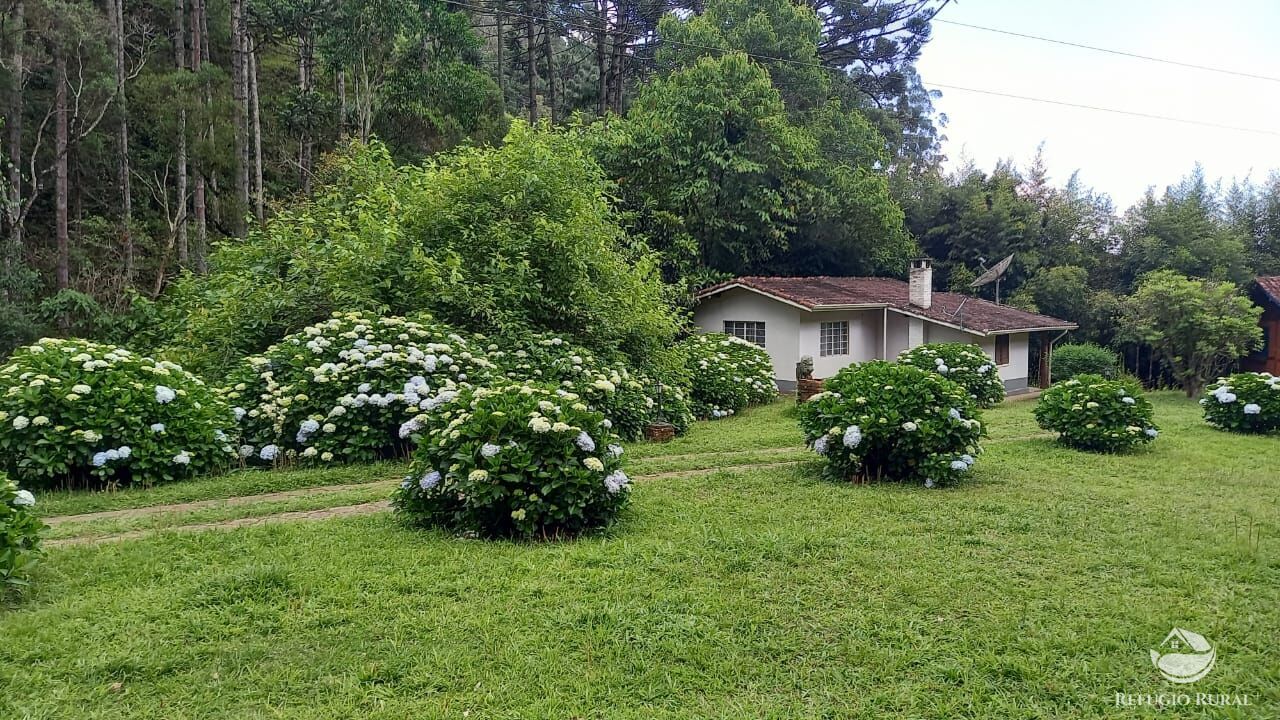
(1035, 590)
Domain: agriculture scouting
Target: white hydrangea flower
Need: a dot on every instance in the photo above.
(182, 458)
(910, 426)
(21, 422)
(24, 498)
(1252, 409)
(852, 436)
(820, 445)
(164, 395)
(616, 481)
(488, 450)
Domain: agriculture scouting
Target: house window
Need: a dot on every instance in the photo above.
(833, 338)
(1002, 349)
(748, 330)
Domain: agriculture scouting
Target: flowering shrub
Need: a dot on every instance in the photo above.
(627, 400)
(1245, 402)
(19, 534)
(728, 374)
(514, 460)
(78, 414)
(886, 421)
(1092, 413)
(342, 390)
(961, 363)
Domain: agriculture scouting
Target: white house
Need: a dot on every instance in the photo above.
(843, 320)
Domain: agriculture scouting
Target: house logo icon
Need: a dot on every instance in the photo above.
(1184, 656)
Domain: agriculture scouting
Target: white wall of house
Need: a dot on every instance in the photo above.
(899, 332)
(864, 338)
(1015, 373)
(782, 325)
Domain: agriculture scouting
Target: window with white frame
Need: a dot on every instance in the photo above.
(749, 330)
(833, 338)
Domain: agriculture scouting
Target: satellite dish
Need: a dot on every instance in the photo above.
(993, 275)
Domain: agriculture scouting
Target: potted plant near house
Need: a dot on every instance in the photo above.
(659, 428)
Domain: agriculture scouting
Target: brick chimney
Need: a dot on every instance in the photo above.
(920, 283)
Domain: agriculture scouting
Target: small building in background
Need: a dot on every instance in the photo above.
(1266, 293)
(843, 320)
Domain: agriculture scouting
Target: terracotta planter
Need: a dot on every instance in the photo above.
(659, 432)
(807, 388)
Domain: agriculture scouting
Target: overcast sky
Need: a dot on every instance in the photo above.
(1116, 154)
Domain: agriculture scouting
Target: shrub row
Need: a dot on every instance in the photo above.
(78, 414)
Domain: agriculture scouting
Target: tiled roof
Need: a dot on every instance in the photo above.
(1271, 286)
(817, 293)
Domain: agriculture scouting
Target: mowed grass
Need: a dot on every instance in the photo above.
(1033, 591)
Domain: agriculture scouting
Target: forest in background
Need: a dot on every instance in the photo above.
(733, 136)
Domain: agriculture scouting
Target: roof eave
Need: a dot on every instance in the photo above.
(851, 306)
(709, 292)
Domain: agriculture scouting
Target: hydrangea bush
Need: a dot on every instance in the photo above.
(885, 421)
(728, 374)
(626, 399)
(342, 390)
(19, 534)
(514, 460)
(1246, 402)
(79, 414)
(961, 363)
(1092, 413)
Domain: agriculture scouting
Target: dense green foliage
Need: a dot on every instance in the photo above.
(961, 363)
(515, 238)
(893, 421)
(1075, 359)
(345, 390)
(20, 530)
(78, 414)
(514, 460)
(1197, 327)
(728, 374)
(1090, 412)
(1244, 402)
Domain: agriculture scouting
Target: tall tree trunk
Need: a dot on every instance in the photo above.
(341, 79)
(61, 184)
(122, 162)
(531, 55)
(180, 62)
(502, 40)
(199, 53)
(548, 52)
(257, 133)
(601, 75)
(13, 123)
(239, 91)
(305, 145)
